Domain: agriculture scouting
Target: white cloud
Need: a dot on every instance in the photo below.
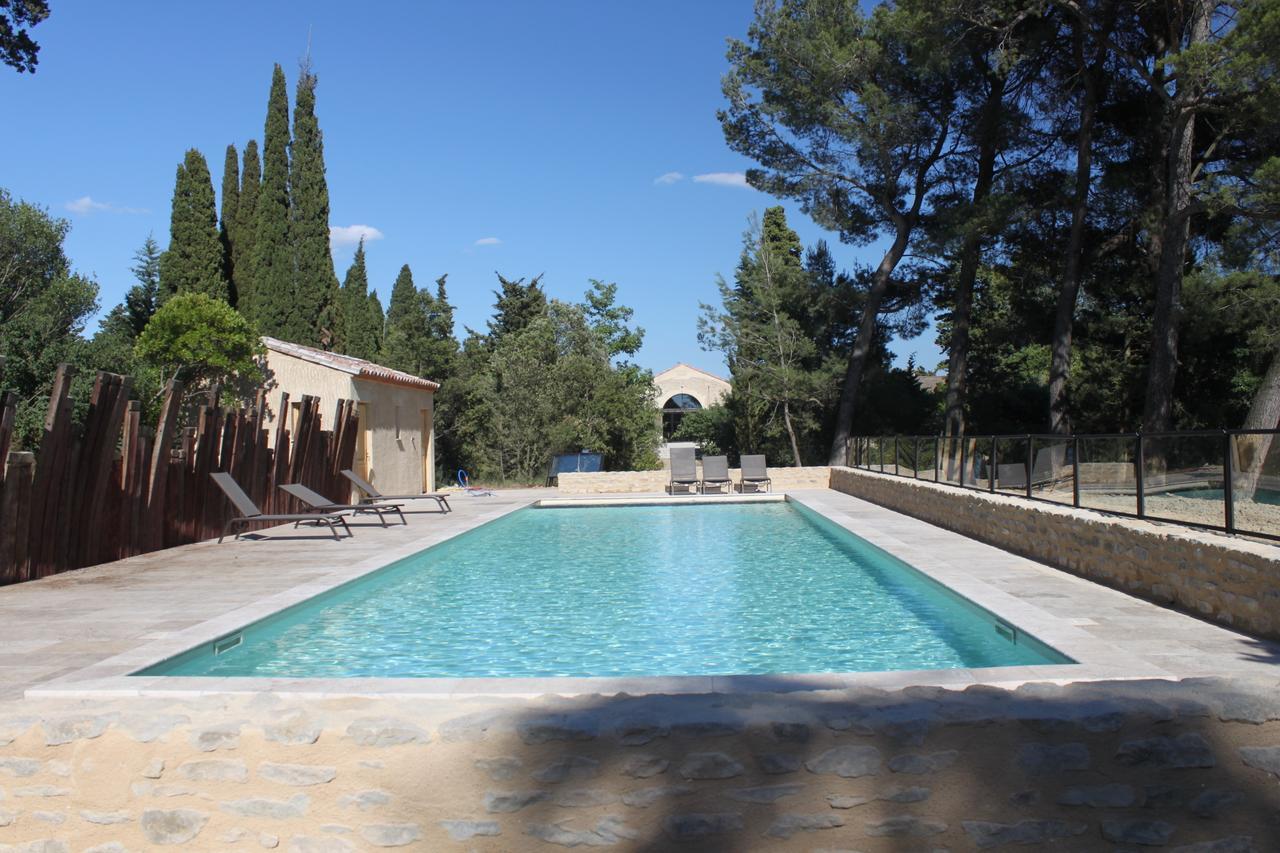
(669, 178)
(86, 205)
(487, 241)
(723, 179)
(349, 235)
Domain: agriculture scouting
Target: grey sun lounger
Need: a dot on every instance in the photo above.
(684, 470)
(754, 474)
(249, 512)
(715, 473)
(320, 503)
(372, 495)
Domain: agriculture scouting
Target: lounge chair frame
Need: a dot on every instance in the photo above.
(715, 473)
(372, 495)
(249, 512)
(684, 470)
(319, 503)
(754, 473)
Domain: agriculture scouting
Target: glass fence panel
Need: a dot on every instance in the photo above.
(1011, 464)
(907, 458)
(1182, 478)
(949, 460)
(1051, 469)
(978, 462)
(1255, 483)
(1107, 473)
(928, 458)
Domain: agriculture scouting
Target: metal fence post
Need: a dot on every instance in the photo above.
(1075, 470)
(1228, 486)
(937, 451)
(960, 474)
(895, 455)
(995, 464)
(1138, 474)
(915, 459)
(1028, 466)
(882, 454)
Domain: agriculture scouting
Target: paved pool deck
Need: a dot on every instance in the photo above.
(79, 634)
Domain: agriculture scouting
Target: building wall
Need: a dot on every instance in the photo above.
(396, 444)
(1226, 579)
(682, 379)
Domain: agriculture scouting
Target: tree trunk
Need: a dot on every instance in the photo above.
(1073, 264)
(791, 434)
(1175, 232)
(1253, 450)
(970, 255)
(862, 343)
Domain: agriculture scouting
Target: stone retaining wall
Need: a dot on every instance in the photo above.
(626, 482)
(1189, 767)
(1229, 580)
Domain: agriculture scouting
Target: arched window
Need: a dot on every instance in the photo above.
(673, 411)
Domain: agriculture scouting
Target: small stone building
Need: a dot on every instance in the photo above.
(681, 389)
(395, 448)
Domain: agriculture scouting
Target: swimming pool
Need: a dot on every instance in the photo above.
(627, 591)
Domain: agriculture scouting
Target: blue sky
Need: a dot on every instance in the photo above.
(518, 137)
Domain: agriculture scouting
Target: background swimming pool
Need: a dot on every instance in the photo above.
(623, 591)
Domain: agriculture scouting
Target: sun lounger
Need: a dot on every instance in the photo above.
(754, 474)
(684, 470)
(372, 495)
(320, 503)
(715, 473)
(249, 512)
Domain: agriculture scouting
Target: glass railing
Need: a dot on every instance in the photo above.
(1226, 480)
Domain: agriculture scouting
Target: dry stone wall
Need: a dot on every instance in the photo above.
(1192, 767)
(1229, 580)
(654, 482)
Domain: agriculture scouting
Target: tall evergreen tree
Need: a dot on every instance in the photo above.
(314, 316)
(142, 299)
(229, 217)
(517, 306)
(376, 324)
(360, 332)
(406, 326)
(193, 261)
(273, 258)
(246, 223)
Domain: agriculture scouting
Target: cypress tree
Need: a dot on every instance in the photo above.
(242, 245)
(359, 332)
(376, 321)
(518, 304)
(193, 261)
(230, 217)
(402, 346)
(272, 253)
(313, 319)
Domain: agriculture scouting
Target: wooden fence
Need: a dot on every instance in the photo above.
(117, 489)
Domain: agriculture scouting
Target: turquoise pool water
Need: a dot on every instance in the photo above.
(626, 591)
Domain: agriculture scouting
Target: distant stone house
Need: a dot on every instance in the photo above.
(395, 448)
(682, 389)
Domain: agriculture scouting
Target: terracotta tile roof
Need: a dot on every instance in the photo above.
(349, 364)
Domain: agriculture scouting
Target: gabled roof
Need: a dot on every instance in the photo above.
(351, 365)
(695, 370)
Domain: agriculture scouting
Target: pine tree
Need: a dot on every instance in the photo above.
(518, 304)
(229, 218)
(193, 261)
(402, 346)
(313, 320)
(360, 332)
(142, 299)
(246, 223)
(272, 253)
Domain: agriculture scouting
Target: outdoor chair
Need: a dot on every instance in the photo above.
(715, 473)
(684, 470)
(372, 495)
(754, 474)
(319, 503)
(249, 512)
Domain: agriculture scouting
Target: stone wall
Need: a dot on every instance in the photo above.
(1229, 580)
(1189, 767)
(653, 482)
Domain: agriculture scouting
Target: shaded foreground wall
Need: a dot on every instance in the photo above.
(1229, 580)
(1191, 767)
(614, 482)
